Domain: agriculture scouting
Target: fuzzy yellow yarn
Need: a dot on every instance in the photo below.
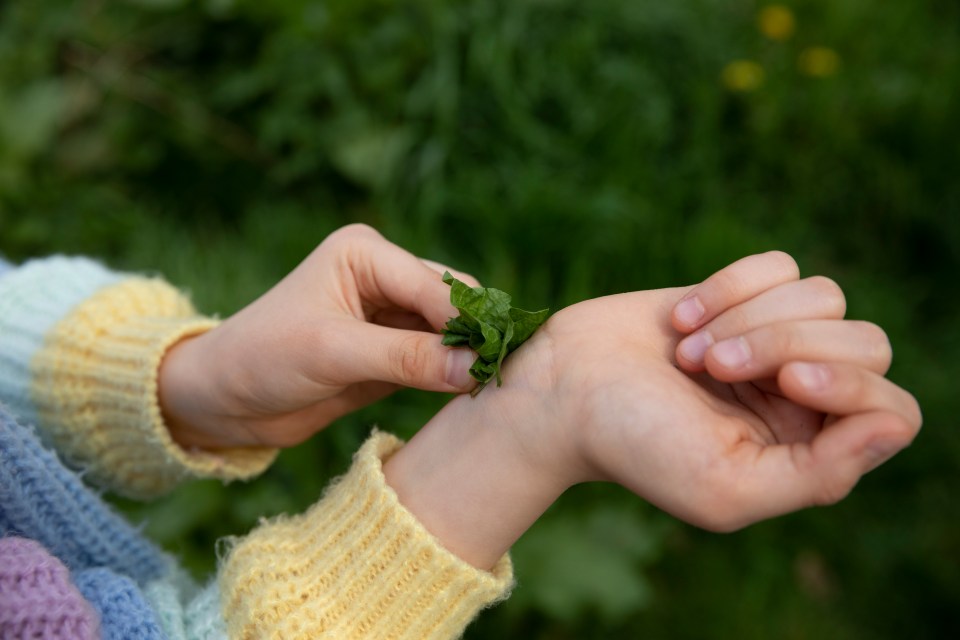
(356, 565)
(95, 388)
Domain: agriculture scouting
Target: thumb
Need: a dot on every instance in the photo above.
(878, 419)
(788, 477)
(407, 358)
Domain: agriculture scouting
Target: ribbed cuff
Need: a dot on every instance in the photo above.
(95, 389)
(356, 565)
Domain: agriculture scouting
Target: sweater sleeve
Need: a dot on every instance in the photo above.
(356, 565)
(80, 348)
(37, 597)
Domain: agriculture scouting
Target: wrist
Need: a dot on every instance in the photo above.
(185, 395)
(482, 471)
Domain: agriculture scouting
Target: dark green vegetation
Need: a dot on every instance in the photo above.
(218, 141)
(489, 325)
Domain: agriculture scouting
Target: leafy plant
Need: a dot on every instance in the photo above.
(489, 325)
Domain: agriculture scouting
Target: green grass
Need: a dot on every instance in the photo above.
(218, 143)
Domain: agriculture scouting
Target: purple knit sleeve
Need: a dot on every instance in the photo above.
(37, 597)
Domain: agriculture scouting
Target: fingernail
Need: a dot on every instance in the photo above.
(732, 353)
(880, 451)
(458, 367)
(690, 311)
(693, 347)
(814, 377)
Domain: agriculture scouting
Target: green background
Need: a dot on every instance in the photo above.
(559, 150)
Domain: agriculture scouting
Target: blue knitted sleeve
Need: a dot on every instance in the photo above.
(137, 589)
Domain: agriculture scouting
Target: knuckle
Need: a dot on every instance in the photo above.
(409, 360)
(914, 416)
(359, 228)
(831, 293)
(776, 341)
(878, 343)
(716, 513)
(353, 232)
(733, 321)
(784, 263)
(829, 488)
(744, 275)
(825, 488)
(720, 523)
(724, 503)
(833, 490)
(910, 416)
(728, 285)
(858, 389)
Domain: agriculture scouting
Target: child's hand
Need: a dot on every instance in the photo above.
(791, 410)
(355, 320)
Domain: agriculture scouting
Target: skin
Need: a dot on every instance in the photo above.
(739, 399)
(605, 391)
(353, 322)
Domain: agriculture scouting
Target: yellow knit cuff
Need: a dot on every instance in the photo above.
(95, 388)
(356, 565)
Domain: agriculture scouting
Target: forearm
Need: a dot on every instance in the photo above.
(472, 477)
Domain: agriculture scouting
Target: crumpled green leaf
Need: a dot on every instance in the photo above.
(489, 325)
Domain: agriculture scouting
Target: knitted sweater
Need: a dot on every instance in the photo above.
(80, 347)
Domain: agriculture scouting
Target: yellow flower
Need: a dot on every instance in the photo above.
(819, 62)
(742, 75)
(776, 22)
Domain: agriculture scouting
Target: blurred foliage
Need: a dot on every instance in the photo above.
(609, 145)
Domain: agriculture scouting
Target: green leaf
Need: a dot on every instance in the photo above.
(457, 325)
(489, 342)
(505, 346)
(455, 340)
(489, 325)
(525, 323)
(485, 304)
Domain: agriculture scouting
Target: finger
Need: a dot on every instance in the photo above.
(407, 358)
(874, 420)
(389, 276)
(844, 389)
(761, 353)
(349, 400)
(462, 276)
(398, 319)
(807, 299)
(731, 286)
(788, 477)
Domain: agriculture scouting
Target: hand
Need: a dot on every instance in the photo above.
(771, 403)
(350, 324)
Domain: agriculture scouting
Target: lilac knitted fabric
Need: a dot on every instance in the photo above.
(37, 598)
(43, 500)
